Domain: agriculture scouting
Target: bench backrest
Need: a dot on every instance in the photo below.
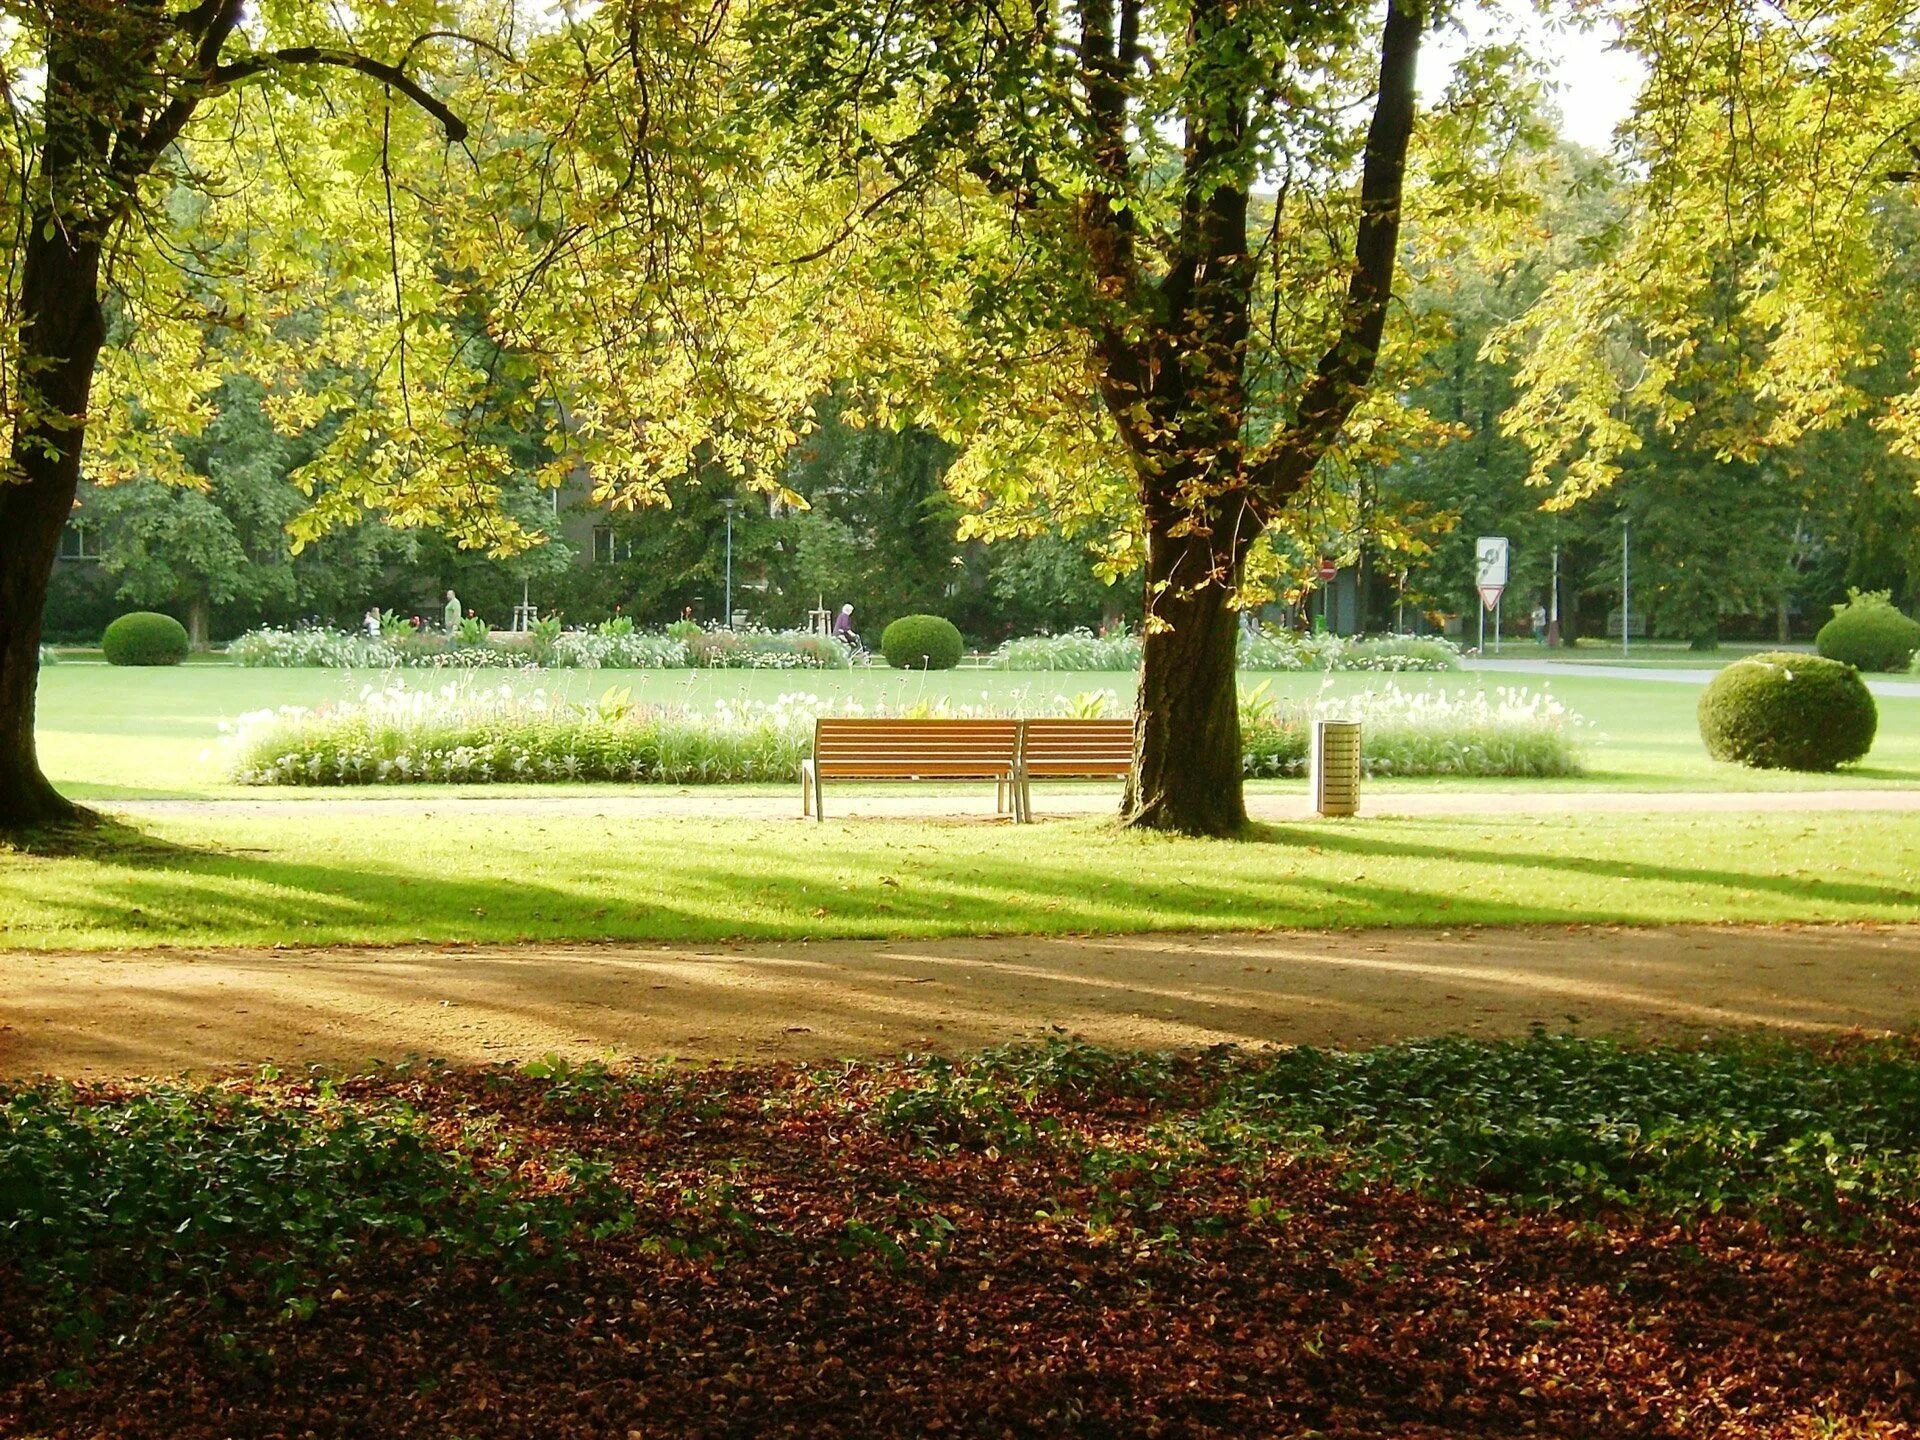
(963, 749)
(1078, 747)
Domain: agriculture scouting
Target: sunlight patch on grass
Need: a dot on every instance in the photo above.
(344, 879)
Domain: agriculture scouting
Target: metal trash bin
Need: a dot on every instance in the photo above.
(1336, 767)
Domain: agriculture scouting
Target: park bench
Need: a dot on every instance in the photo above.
(1065, 749)
(868, 749)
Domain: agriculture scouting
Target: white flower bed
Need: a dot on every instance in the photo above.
(611, 647)
(462, 733)
(1267, 649)
(1510, 731)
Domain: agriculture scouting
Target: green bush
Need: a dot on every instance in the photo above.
(1788, 712)
(145, 638)
(922, 642)
(1869, 633)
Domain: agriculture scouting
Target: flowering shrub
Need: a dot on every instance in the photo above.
(464, 734)
(467, 734)
(1266, 649)
(1513, 731)
(766, 650)
(333, 649)
(1075, 650)
(1284, 650)
(614, 646)
(628, 650)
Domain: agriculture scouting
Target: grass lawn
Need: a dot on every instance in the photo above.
(332, 878)
(111, 733)
(1551, 1237)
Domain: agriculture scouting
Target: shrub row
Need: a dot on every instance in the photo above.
(467, 735)
(1266, 649)
(617, 646)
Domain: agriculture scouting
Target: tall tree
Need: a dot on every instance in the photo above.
(1063, 199)
(102, 96)
(1735, 305)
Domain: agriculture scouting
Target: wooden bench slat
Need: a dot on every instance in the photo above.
(1074, 749)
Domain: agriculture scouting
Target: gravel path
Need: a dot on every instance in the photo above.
(157, 1012)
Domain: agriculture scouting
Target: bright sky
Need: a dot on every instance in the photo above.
(1593, 85)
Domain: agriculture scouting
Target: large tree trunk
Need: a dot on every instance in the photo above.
(1187, 764)
(61, 333)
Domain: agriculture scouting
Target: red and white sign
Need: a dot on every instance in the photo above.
(1328, 569)
(1490, 595)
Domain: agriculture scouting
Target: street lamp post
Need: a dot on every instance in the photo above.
(1626, 586)
(728, 505)
(1553, 603)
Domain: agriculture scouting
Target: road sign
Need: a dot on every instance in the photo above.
(1327, 568)
(1490, 552)
(1490, 595)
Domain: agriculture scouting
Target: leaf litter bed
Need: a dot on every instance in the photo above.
(1550, 1236)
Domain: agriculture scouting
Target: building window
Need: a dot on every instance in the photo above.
(77, 542)
(608, 547)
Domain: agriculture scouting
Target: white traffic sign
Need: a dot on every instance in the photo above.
(1490, 551)
(1490, 558)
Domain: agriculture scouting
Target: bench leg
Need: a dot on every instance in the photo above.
(819, 795)
(1026, 798)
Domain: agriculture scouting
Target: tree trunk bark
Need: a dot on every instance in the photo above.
(1187, 767)
(61, 332)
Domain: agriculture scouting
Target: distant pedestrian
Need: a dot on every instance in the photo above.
(372, 622)
(1540, 622)
(843, 630)
(451, 615)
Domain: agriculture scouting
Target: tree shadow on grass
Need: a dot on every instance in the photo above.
(93, 835)
(1356, 842)
(765, 886)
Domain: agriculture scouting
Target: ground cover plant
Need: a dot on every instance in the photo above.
(496, 734)
(321, 873)
(1547, 1236)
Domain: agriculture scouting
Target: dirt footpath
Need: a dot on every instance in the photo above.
(157, 1012)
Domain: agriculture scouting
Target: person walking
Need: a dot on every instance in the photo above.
(451, 616)
(371, 621)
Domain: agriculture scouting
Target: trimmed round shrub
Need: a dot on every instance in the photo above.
(144, 638)
(1788, 712)
(921, 642)
(1870, 633)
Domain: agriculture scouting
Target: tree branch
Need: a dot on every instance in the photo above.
(1341, 378)
(268, 61)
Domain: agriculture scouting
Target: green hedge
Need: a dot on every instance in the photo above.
(922, 642)
(1869, 633)
(1788, 712)
(145, 638)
